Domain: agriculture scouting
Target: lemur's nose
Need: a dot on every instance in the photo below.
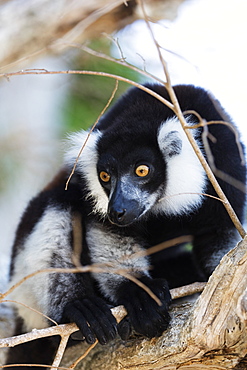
(117, 215)
(120, 214)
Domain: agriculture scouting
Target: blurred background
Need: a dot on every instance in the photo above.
(203, 42)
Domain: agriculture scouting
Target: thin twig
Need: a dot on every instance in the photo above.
(187, 290)
(141, 285)
(161, 246)
(91, 73)
(203, 123)
(110, 267)
(90, 131)
(60, 351)
(215, 183)
(204, 194)
(158, 47)
(77, 238)
(121, 61)
(72, 366)
(30, 308)
(48, 270)
(179, 113)
(38, 333)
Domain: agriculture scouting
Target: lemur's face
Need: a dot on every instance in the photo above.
(133, 181)
(129, 174)
(142, 172)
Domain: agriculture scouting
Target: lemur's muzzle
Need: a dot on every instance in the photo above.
(122, 209)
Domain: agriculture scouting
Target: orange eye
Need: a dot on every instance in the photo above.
(104, 176)
(142, 170)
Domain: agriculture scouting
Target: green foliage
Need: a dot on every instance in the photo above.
(88, 95)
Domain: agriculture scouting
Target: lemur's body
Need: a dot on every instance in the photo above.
(138, 182)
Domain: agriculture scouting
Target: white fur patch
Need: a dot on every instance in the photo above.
(107, 247)
(186, 178)
(87, 165)
(50, 235)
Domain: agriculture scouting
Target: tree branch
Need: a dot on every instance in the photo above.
(67, 329)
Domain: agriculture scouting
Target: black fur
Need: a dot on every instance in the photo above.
(127, 138)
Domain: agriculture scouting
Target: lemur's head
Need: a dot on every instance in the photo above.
(139, 163)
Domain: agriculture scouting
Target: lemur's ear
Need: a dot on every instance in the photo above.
(171, 144)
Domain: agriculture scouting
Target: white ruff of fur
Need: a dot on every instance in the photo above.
(87, 166)
(186, 178)
(51, 234)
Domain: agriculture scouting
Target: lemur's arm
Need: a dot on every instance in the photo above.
(144, 314)
(61, 296)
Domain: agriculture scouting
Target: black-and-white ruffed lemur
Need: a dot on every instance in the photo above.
(137, 183)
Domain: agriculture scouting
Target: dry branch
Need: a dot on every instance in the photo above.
(35, 27)
(65, 330)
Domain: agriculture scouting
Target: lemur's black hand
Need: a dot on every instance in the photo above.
(144, 314)
(93, 317)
